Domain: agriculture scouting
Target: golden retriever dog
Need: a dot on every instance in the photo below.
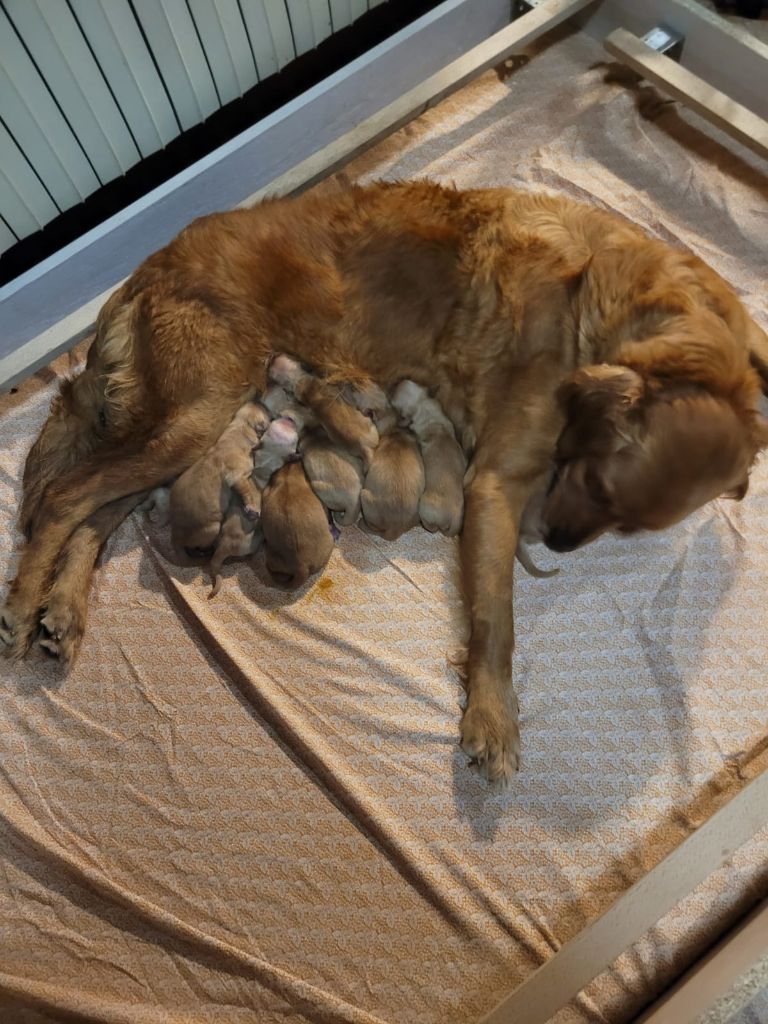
(297, 533)
(335, 476)
(441, 506)
(543, 327)
(394, 483)
(201, 496)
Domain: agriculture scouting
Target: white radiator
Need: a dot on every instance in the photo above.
(90, 87)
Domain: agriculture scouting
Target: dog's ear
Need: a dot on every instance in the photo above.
(597, 401)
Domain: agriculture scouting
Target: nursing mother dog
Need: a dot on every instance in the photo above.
(551, 333)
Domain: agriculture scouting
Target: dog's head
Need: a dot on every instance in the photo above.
(642, 453)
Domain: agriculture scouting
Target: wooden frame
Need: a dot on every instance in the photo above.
(48, 309)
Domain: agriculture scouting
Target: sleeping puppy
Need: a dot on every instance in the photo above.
(278, 445)
(200, 497)
(441, 506)
(335, 476)
(297, 534)
(282, 405)
(239, 537)
(336, 407)
(394, 482)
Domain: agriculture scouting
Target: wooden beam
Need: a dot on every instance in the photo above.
(565, 974)
(719, 109)
(721, 52)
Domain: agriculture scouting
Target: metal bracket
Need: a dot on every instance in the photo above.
(521, 7)
(666, 40)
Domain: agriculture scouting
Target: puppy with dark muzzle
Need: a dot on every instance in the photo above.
(297, 533)
(394, 483)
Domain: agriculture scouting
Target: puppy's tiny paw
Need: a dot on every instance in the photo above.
(16, 631)
(491, 738)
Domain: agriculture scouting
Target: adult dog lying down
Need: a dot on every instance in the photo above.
(540, 326)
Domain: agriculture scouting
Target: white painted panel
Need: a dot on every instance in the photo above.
(260, 37)
(276, 14)
(56, 44)
(359, 7)
(341, 13)
(125, 61)
(320, 12)
(302, 26)
(375, 3)
(34, 120)
(24, 204)
(172, 36)
(7, 237)
(226, 46)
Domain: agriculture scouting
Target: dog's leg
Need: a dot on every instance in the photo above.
(489, 731)
(66, 607)
(250, 495)
(103, 478)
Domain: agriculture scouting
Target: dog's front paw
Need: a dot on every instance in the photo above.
(61, 630)
(490, 735)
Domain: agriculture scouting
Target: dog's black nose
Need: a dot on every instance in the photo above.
(559, 539)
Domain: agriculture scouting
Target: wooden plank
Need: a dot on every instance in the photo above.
(126, 63)
(172, 36)
(681, 84)
(53, 38)
(715, 974)
(34, 120)
(35, 301)
(25, 206)
(722, 53)
(573, 966)
(225, 41)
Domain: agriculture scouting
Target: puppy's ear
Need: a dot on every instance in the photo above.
(597, 401)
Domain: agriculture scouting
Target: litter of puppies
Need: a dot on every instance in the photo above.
(311, 456)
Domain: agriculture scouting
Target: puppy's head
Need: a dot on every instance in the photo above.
(639, 455)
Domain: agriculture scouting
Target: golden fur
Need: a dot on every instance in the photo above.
(490, 298)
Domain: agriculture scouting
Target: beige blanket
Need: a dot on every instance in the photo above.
(255, 810)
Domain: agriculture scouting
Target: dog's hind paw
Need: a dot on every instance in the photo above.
(16, 631)
(61, 631)
(491, 738)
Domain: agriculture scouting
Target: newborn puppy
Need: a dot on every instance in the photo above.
(297, 534)
(442, 504)
(335, 476)
(332, 405)
(281, 405)
(201, 495)
(240, 536)
(394, 482)
(278, 445)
